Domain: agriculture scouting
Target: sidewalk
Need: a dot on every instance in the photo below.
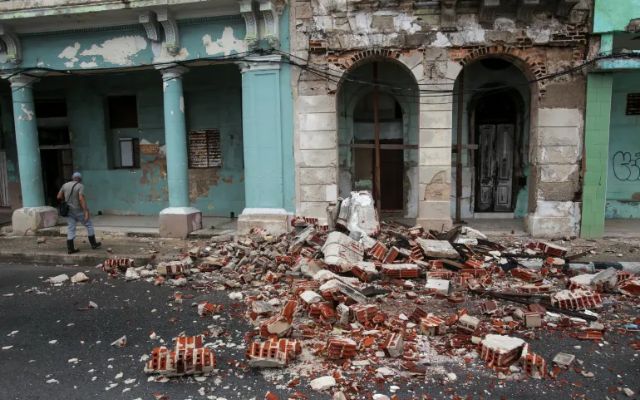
(53, 250)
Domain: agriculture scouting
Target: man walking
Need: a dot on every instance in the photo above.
(73, 193)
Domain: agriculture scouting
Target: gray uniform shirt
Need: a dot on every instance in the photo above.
(73, 199)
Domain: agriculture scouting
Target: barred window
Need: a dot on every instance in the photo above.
(633, 104)
(204, 149)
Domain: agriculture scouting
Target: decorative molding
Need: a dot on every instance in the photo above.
(488, 9)
(10, 44)
(172, 71)
(260, 63)
(149, 21)
(22, 81)
(448, 14)
(171, 33)
(247, 10)
(271, 11)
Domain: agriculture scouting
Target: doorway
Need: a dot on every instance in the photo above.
(56, 156)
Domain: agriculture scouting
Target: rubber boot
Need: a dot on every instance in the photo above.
(70, 247)
(94, 244)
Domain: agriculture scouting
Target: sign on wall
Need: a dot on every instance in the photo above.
(205, 149)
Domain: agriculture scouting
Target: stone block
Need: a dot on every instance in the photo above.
(559, 173)
(317, 209)
(318, 140)
(559, 117)
(318, 176)
(273, 220)
(319, 192)
(318, 121)
(433, 209)
(178, 222)
(435, 138)
(440, 156)
(316, 104)
(559, 136)
(551, 227)
(318, 158)
(28, 220)
(558, 154)
(436, 119)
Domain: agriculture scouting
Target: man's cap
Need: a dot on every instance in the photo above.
(76, 175)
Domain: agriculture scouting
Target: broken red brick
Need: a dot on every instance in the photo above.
(340, 348)
(432, 325)
(526, 275)
(273, 352)
(576, 299)
(394, 345)
(500, 351)
(401, 271)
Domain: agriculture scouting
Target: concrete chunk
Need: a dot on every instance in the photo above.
(437, 248)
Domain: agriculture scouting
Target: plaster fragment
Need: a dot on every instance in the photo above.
(119, 50)
(27, 113)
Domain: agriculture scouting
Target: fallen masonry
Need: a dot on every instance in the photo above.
(357, 302)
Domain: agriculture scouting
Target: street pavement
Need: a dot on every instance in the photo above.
(42, 314)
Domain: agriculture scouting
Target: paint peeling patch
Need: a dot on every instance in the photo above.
(438, 188)
(441, 41)
(227, 44)
(201, 181)
(404, 22)
(182, 104)
(89, 64)
(70, 53)
(27, 114)
(118, 51)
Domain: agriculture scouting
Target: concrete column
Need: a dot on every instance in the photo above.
(179, 219)
(436, 121)
(262, 138)
(34, 215)
(596, 137)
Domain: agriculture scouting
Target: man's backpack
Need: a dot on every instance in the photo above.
(63, 208)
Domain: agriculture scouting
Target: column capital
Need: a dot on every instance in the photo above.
(172, 71)
(260, 63)
(22, 80)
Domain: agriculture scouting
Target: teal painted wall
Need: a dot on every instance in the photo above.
(212, 100)
(128, 45)
(623, 178)
(286, 112)
(614, 15)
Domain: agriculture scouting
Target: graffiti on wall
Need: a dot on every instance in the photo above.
(626, 166)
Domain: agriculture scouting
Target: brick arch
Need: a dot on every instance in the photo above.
(530, 61)
(348, 60)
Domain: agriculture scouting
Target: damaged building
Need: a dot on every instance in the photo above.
(167, 108)
(445, 110)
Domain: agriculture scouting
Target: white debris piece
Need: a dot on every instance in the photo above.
(58, 279)
(131, 274)
(358, 214)
(323, 383)
(437, 248)
(441, 286)
(235, 295)
(310, 297)
(121, 342)
(79, 277)
(342, 251)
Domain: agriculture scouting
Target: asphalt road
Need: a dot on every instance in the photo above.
(42, 313)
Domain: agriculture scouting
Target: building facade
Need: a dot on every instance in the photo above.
(178, 109)
(612, 144)
(419, 90)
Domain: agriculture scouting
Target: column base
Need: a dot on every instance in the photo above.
(178, 222)
(273, 220)
(443, 224)
(28, 220)
(554, 220)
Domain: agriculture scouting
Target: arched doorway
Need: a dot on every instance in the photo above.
(379, 98)
(495, 138)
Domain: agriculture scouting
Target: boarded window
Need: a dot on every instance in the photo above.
(633, 104)
(204, 149)
(129, 149)
(123, 112)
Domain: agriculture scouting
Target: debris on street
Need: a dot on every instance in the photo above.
(375, 302)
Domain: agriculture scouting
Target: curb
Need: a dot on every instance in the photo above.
(64, 259)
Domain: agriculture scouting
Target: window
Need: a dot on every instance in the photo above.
(633, 104)
(123, 112)
(204, 149)
(129, 149)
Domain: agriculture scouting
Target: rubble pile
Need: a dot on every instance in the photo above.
(356, 301)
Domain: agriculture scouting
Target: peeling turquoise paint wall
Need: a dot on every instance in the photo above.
(212, 100)
(286, 110)
(623, 180)
(127, 46)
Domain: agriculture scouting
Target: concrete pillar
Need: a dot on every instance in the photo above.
(596, 137)
(179, 219)
(262, 137)
(436, 121)
(34, 215)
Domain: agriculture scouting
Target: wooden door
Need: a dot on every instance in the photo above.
(495, 168)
